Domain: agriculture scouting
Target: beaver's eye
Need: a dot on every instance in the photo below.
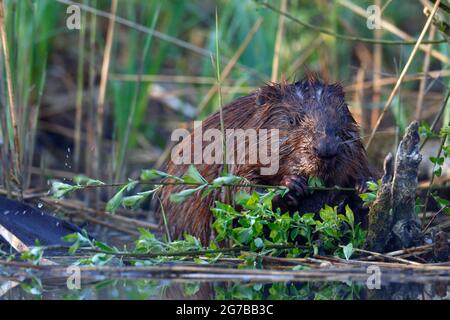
(292, 121)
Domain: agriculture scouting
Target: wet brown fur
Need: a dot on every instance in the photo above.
(304, 112)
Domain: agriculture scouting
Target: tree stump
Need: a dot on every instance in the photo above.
(393, 223)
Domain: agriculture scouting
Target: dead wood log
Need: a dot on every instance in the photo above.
(380, 213)
(393, 223)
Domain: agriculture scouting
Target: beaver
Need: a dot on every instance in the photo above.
(317, 137)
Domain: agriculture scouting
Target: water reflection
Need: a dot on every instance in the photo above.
(165, 289)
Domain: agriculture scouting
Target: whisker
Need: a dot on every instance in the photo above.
(364, 136)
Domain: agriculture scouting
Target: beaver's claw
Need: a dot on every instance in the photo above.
(297, 185)
(361, 186)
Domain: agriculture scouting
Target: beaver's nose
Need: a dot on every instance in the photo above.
(327, 148)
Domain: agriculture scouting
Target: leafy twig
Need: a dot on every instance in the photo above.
(342, 36)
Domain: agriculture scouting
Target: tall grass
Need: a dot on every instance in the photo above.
(177, 38)
(29, 28)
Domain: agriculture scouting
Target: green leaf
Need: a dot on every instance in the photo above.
(135, 201)
(373, 186)
(439, 161)
(315, 182)
(226, 180)
(259, 243)
(132, 201)
(368, 197)
(86, 181)
(441, 201)
(193, 176)
(348, 250)
(425, 130)
(183, 195)
(308, 218)
(34, 288)
(446, 150)
(252, 201)
(74, 247)
(350, 216)
(328, 213)
(34, 254)
(241, 197)
(114, 203)
(151, 174)
(71, 237)
(131, 185)
(445, 131)
(59, 189)
(294, 233)
(104, 246)
(438, 172)
(243, 235)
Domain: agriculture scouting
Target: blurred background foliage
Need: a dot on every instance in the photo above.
(161, 73)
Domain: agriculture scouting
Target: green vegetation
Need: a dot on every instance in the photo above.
(82, 115)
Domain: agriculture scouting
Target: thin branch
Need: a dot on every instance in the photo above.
(403, 73)
(342, 36)
(433, 218)
(425, 68)
(394, 30)
(427, 197)
(437, 118)
(227, 70)
(195, 184)
(386, 256)
(443, 6)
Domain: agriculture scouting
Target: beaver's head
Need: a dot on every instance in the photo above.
(318, 135)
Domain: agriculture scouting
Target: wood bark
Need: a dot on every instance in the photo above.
(393, 223)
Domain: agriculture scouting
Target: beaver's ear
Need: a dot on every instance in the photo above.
(269, 94)
(260, 99)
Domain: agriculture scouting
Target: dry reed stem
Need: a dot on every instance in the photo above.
(377, 61)
(15, 148)
(231, 63)
(90, 127)
(74, 205)
(245, 89)
(403, 73)
(158, 34)
(309, 50)
(384, 256)
(394, 30)
(392, 80)
(163, 78)
(425, 69)
(359, 94)
(278, 42)
(102, 91)
(79, 96)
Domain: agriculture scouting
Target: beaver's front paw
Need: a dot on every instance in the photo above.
(361, 186)
(298, 188)
(297, 185)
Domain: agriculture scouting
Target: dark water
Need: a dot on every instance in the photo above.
(188, 280)
(135, 289)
